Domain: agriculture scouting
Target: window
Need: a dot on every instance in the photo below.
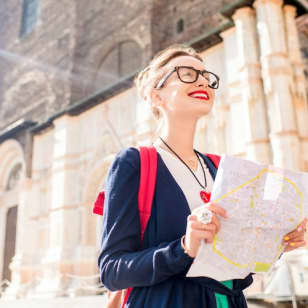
(14, 177)
(29, 16)
(180, 26)
(125, 58)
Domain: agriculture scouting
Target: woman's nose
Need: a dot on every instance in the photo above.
(202, 81)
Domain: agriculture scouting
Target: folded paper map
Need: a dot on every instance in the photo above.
(263, 203)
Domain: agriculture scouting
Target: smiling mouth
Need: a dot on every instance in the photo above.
(203, 96)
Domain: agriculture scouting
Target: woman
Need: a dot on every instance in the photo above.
(180, 91)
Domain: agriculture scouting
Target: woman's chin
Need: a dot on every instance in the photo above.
(206, 107)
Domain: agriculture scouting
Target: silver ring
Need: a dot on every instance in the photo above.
(205, 215)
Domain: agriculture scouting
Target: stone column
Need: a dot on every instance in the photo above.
(253, 100)
(215, 123)
(89, 246)
(236, 125)
(146, 127)
(202, 142)
(278, 81)
(298, 89)
(222, 110)
(64, 211)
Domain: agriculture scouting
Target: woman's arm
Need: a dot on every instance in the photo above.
(121, 262)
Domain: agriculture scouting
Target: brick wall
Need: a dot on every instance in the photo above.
(34, 84)
(198, 17)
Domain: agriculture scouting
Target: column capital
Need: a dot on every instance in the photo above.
(284, 133)
(290, 9)
(258, 141)
(227, 32)
(244, 11)
(275, 55)
(262, 2)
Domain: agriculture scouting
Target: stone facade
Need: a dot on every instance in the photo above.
(77, 49)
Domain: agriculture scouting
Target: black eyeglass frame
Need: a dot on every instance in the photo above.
(176, 69)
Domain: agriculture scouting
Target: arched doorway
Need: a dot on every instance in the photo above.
(12, 170)
(9, 242)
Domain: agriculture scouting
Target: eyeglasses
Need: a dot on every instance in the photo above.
(188, 74)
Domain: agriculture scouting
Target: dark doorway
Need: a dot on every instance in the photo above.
(10, 240)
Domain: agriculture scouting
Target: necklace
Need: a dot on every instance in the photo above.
(205, 196)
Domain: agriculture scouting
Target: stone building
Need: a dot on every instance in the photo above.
(67, 106)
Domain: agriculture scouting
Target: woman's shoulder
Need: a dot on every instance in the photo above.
(128, 156)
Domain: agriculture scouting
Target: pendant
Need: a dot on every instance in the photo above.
(205, 196)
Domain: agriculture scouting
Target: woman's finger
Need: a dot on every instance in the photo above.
(303, 223)
(211, 227)
(294, 245)
(301, 228)
(293, 234)
(217, 210)
(201, 235)
(297, 238)
(201, 226)
(192, 217)
(216, 221)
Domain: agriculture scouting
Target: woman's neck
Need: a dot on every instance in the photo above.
(179, 135)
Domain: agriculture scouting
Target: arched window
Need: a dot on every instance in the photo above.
(29, 16)
(14, 177)
(130, 56)
(125, 58)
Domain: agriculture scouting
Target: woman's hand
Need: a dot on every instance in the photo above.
(295, 238)
(197, 231)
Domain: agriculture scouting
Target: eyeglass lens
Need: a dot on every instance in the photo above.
(189, 75)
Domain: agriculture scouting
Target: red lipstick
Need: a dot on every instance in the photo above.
(200, 95)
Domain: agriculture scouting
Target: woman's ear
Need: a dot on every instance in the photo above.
(156, 98)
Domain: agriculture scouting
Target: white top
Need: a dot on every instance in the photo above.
(185, 179)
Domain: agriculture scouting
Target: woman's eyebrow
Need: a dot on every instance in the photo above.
(201, 69)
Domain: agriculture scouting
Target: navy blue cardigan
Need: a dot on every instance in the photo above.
(157, 269)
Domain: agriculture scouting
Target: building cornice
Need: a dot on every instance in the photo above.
(14, 128)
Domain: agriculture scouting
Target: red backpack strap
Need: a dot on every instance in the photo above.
(215, 159)
(148, 171)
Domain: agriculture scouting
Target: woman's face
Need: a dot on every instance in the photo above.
(176, 98)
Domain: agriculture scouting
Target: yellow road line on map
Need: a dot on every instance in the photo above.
(280, 249)
(227, 259)
(300, 206)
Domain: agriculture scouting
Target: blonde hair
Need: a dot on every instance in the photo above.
(148, 78)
